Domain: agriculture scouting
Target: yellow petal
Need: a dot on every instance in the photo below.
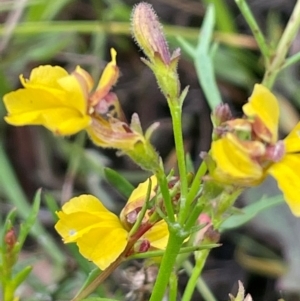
(233, 164)
(86, 78)
(40, 107)
(263, 104)
(80, 215)
(286, 173)
(63, 122)
(44, 76)
(84, 203)
(108, 78)
(138, 197)
(30, 100)
(158, 235)
(292, 141)
(76, 94)
(141, 191)
(73, 226)
(58, 121)
(103, 245)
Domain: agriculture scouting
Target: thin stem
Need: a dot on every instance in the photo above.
(184, 250)
(176, 111)
(166, 267)
(201, 257)
(202, 287)
(291, 61)
(73, 165)
(142, 213)
(163, 184)
(173, 287)
(98, 280)
(195, 212)
(194, 189)
(258, 35)
(284, 44)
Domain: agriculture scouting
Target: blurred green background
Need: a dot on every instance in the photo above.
(264, 254)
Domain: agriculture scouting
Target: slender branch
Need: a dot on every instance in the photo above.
(179, 146)
(166, 267)
(284, 44)
(258, 35)
(201, 257)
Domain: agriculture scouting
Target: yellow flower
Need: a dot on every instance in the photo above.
(99, 234)
(61, 102)
(246, 162)
(65, 104)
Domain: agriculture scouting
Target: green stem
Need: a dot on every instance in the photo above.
(8, 292)
(184, 250)
(163, 184)
(194, 189)
(259, 37)
(166, 267)
(202, 287)
(291, 60)
(173, 287)
(176, 113)
(284, 44)
(75, 159)
(99, 279)
(201, 257)
(193, 216)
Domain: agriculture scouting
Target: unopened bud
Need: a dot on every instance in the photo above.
(142, 246)
(221, 114)
(147, 32)
(10, 239)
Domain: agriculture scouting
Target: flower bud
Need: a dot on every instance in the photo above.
(142, 246)
(10, 239)
(147, 32)
(221, 114)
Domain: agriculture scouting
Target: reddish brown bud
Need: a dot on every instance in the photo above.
(142, 246)
(221, 114)
(10, 239)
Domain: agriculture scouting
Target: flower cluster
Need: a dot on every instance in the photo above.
(246, 150)
(101, 236)
(66, 104)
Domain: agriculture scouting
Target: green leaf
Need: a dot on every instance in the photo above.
(45, 10)
(31, 219)
(118, 182)
(21, 276)
(91, 277)
(203, 55)
(204, 62)
(249, 212)
(12, 190)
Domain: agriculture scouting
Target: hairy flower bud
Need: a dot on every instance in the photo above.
(147, 32)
